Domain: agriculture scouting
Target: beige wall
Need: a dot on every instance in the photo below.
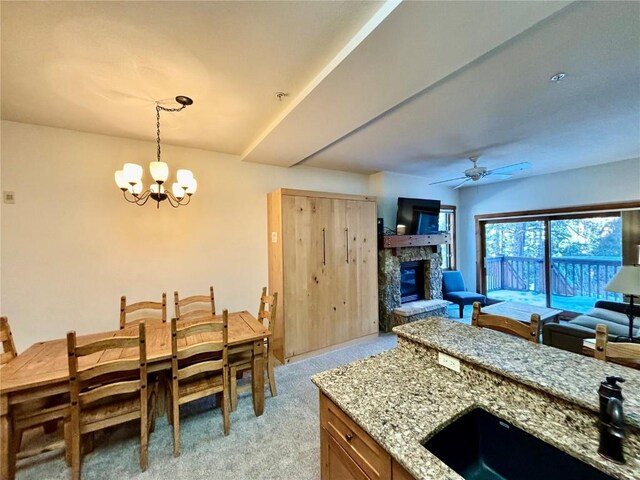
(71, 245)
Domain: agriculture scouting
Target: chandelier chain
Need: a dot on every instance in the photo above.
(158, 108)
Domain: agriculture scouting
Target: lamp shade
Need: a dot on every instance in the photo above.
(159, 171)
(132, 173)
(184, 177)
(120, 180)
(192, 187)
(178, 191)
(626, 281)
(136, 188)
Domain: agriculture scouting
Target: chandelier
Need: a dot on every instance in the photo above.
(129, 179)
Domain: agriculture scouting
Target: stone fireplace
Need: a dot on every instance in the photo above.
(412, 274)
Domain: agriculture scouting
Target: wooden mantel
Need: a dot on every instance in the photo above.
(402, 241)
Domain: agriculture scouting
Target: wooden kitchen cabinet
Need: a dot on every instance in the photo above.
(348, 452)
(323, 261)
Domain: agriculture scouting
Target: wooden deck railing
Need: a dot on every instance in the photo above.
(570, 276)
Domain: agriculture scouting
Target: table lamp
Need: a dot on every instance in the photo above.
(627, 282)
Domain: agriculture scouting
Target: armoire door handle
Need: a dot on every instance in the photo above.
(346, 231)
(324, 249)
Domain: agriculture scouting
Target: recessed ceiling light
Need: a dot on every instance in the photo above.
(558, 77)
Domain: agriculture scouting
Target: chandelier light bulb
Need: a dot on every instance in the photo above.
(159, 171)
(184, 177)
(178, 191)
(155, 188)
(136, 188)
(192, 187)
(132, 173)
(120, 180)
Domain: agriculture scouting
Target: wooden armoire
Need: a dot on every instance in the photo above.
(323, 263)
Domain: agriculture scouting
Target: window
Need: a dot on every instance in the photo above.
(447, 223)
(559, 260)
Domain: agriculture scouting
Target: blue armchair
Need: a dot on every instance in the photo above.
(453, 289)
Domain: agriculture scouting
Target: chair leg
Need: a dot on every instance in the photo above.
(461, 310)
(234, 388)
(88, 442)
(67, 443)
(144, 438)
(153, 411)
(271, 375)
(18, 440)
(75, 453)
(225, 401)
(175, 414)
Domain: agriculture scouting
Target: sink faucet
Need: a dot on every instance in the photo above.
(611, 419)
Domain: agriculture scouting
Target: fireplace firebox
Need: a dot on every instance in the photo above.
(411, 281)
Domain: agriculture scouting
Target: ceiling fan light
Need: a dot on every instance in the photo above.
(132, 173)
(159, 171)
(120, 180)
(178, 191)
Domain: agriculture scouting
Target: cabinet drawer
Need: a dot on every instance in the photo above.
(365, 452)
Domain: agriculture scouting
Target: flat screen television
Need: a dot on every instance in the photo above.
(419, 216)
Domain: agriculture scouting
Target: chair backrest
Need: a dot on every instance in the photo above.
(142, 311)
(508, 325)
(9, 351)
(194, 306)
(623, 352)
(199, 348)
(267, 309)
(452, 281)
(120, 368)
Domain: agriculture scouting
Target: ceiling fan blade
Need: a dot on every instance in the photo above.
(461, 183)
(504, 175)
(512, 168)
(445, 181)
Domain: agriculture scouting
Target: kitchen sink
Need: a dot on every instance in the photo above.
(481, 446)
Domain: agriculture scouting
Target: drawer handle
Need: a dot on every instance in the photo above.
(349, 437)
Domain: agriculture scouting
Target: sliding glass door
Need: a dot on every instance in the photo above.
(561, 262)
(586, 253)
(514, 261)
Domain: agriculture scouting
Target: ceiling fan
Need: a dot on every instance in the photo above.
(475, 173)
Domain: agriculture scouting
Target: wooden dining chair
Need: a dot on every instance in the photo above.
(109, 390)
(194, 306)
(199, 368)
(530, 331)
(625, 353)
(9, 351)
(134, 313)
(240, 357)
(31, 411)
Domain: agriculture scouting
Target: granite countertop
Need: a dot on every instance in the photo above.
(567, 375)
(401, 398)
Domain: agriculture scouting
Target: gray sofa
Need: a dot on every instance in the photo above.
(569, 336)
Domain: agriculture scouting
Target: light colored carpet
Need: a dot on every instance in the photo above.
(284, 443)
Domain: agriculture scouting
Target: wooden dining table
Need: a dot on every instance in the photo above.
(42, 370)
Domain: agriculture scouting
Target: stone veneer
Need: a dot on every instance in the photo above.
(389, 283)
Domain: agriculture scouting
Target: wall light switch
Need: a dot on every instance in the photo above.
(9, 197)
(448, 361)
(274, 237)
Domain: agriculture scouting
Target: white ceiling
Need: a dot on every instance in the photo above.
(373, 86)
